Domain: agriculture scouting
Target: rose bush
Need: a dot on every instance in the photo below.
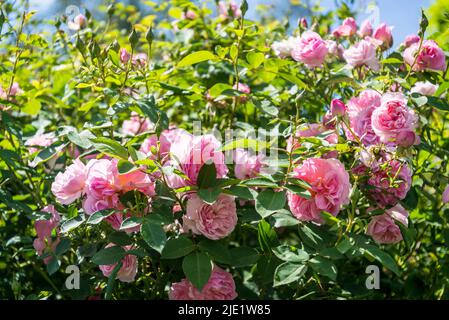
(196, 154)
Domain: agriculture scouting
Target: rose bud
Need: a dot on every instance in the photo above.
(338, 108)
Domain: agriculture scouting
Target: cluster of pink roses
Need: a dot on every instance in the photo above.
(220, 286)
(44, 243)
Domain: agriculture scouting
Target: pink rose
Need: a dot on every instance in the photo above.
(362, 53)
(45, 245)
(166, 139)
(124, 56)
(101, 178)
(69, 186)
(232, 7)
(329, 189)
(140, 59)
(366, 29)
(425, 88)
(446, 195)
(135, 180)
(391, 181)
(411, 39)
(40, 140)
(93, 204)
(310, 50)
(347, 28)
(190, 154)
(220, 286)
(135, 125)
(127, 272)
(338, 108)
(384, 229)
(78, 22)
(246, 165)
(44, 228)
(244, 89)
(335, 50)
(214, 221)
(284, 48)
(393, 119)
(359, 110)
(190, 15)
(431, 57)
(383, 33)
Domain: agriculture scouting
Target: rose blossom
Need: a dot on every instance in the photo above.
(384, 229)
(191, 15)
(283, 49)
(359, 111)
(166, 139)
(446, 195)
(78, 22)
(190, 154)
(362, 53)
(214, 221)
(101, 178)
(310, 50)
(246, 165)
(244, 89)
(366, 29)
(124, 56)
(394, 120)
(69, 186)
(335, 50)
(346, 29)
(338, 108)
(45, 227)
(391, 180)
(135, 125)
(431, 57)
(329, 189)
(220, 286)
(425, 88)
(127, 272)
(40, 140)
(383, 33)
(224, 9)
(411, 39)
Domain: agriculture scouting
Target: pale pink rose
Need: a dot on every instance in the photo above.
(190, 154)
(69, 185)
(40, 140)
(15, 90)
(393, 119)
(384, 229)
(191, 15)
(101, 178)
(411, 39)
(214, 221)
(363, 53)
(247, 165)
(335, 50)
(124, 56)
(359, 111)
(431, 57)
(366, 29)
(310, 50)
(283, 49)
(127, 272)
(446, 195)
(425, 88)
(329, 189)
(93, 204)
(44, 228)
(78, 22)
(303, 23)
(135, 180)
(135, 125)
(346, 29)
(221, 286)
(232, 7)
(244, 89)
(391, 181)
(310, 130)
(166, 139)
(140, 59)
(383, 33)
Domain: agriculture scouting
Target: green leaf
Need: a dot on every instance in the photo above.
(216, 250)
(153, 233)
(270, 200)
(177, 248)
(124, 166)
(382, 257)
(98, 216)
(207, 176)
(438, 103)
(253, 144)
(255, 59)
(63, 246)
(72, 223)
(157, 116)
(243, 256)
(266, 235)
(110, 147)
(209, 195)
(284, 219)
(109, 255)
(53, 265)
(324, 267)
(196, 57)
(111, 281)
(120, 238)
(287, 253)
(32, 107)
(287, 273)
(48, 153)
(197, 267)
